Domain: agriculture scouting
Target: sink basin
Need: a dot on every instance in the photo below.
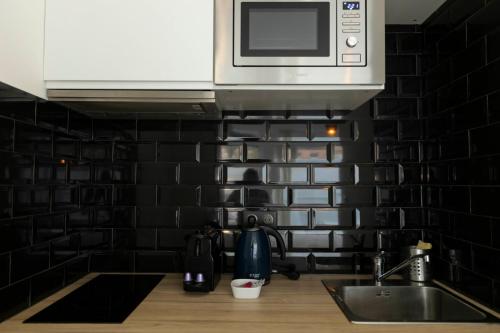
(403, 304)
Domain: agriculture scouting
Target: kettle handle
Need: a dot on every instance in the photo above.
(279, 240)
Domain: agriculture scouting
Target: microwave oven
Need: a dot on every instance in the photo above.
(299, 42)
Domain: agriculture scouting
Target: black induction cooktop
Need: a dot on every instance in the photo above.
(108, 298)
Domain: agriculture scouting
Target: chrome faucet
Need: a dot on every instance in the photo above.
(379, 262)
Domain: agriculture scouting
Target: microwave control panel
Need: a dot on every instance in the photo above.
(351, 33)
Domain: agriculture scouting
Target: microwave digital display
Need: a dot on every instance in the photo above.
(351, 5)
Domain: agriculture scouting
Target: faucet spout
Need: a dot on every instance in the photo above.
(378, 266)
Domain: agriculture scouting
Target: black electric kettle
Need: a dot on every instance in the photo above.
(253, 257)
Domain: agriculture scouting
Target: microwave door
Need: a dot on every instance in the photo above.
(284, 33)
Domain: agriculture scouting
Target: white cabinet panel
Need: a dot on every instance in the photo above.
(21, 45)
(129, 40)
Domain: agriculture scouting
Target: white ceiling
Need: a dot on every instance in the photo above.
(410, 11)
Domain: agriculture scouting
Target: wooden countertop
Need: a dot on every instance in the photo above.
(284, 306)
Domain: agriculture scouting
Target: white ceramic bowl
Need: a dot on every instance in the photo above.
(245, 293)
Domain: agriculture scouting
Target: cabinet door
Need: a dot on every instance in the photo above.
(129, 40)
(21, 45)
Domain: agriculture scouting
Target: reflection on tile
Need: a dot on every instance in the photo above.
(135, 151)
(95, 195)
(228, 196)
(376, 174)
(46, 227)
(310, 196)
(351, 196)
(79, 172)
(97, 150)
(333, 218)
(16, 169)
(308, 153)
(354, 152)
(332, 131)
(232, 217)
(266, 152)
(29, 139)
(245, 130)
(64, 197)
(289, 131)
(354, 240)
(245, 174)
(285, 174)
(333, 175)
(266, 196)
(31, 200)
(293, 218)
(311, 239)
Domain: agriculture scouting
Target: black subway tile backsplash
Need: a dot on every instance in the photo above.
(120, 195)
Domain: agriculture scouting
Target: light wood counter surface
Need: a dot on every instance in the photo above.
(284, 306)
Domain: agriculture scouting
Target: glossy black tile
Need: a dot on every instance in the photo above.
(485, 80)
(116, 261)
(29, 139)
(157, 173)
(483, 21)
(317, 240)
(143, 152)
(135, 195)
(200, 131)
(410, 43)
(29, 261)
(401, 65)
(494, 107)
(15, 234)
(354, 196)
(396, 108)
(178, 195)
(197, 174)
(244, 174)
(293, 218)
(310, 196)
(79, 125)
(342, 218)
(48, 171)
(64, 249)
(398, 196)
(4, 269)
(16, 168)
(222, 196)
(288, 131)
(97, 150)
(197, 217)
(95, 195)
(66, 147)
(157, 262)
(170, 152)
(333, 174)
(158, 130)
(80, 172)
(31, 200)
(376, 174)
(287, 174)
(114, 129)
(79, 219)
(308, 153)
(265, 152)
(333, 131)
(266, 196)
(352, 241)
(481, 140)
(105, 299)
(245, 130)
(161, 217)
(20, 109)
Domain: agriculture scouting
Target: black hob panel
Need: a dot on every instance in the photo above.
(108, 298)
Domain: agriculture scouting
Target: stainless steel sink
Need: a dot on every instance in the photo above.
(400, 303)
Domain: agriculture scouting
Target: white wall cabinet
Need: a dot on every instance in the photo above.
(129, 44)
(21, 45)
